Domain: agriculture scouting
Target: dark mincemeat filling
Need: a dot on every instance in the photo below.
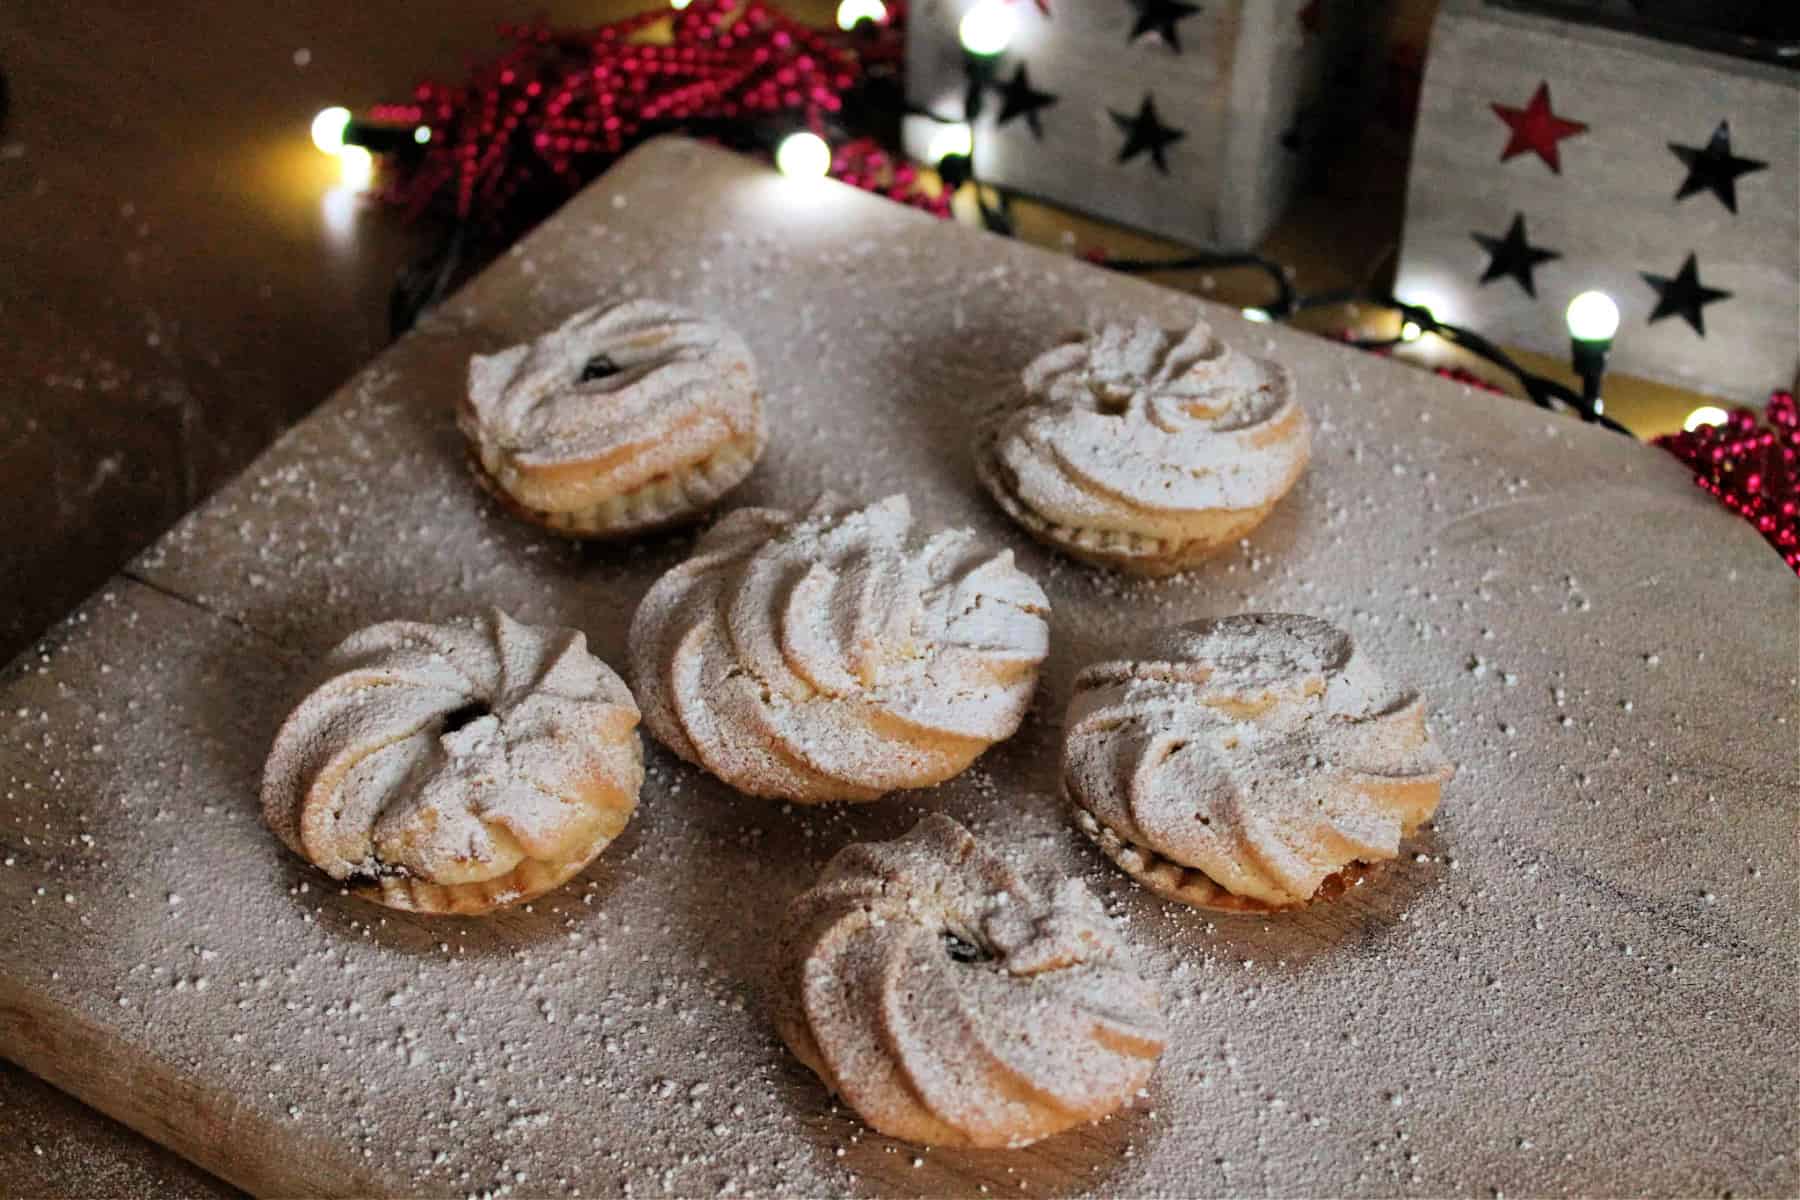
(599, 367)
(964, 952)
(469, 713)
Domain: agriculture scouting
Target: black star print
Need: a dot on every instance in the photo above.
(1020, 99)
(1683, 296)
(1160, 17)
(1145, 132)
(1512, 256)
(1714, 168)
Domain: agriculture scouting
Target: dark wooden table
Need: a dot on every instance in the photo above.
(174, 292)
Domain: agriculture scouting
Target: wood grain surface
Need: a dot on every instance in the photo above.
(54, 1146)
(1579, 981)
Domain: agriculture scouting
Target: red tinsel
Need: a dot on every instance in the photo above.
(531, 127)
(1750, 466)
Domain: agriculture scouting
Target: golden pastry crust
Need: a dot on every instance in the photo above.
(838, 654)
(456, 768)
(621, 421)
(1144, 450)
(1248, 764)
(951, 1003)
(663, 503)
(1172, 881)
(1119, 550)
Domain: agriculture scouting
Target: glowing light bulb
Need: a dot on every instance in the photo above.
(988, 28)
(803, 156)
(422, 134)
(328, 129)
(1431, 306)
(1706, 414)
(948, 140)
(357, 166)
(339, 206)
(851, 11)
(1593, 317)
(1259, 315)
(678, 5)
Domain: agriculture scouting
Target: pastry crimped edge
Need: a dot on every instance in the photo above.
(670, 500)
(527, 881)
(1132, 553)
(1191, 886)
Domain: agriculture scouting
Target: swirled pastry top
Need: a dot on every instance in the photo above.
(486, 754)
(634, 391)
(1136, 427)
(952, 1003)
(1263, 750)
(837, 655)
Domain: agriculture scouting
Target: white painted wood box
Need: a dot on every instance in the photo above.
(1196, 121)
(1553, 157)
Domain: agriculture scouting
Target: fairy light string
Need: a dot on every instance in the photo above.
(493, 154)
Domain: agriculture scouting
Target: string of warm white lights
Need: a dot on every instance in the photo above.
(987, 30)
(722, 52)
(490, 155)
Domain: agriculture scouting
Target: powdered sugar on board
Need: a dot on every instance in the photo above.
(1616, 841)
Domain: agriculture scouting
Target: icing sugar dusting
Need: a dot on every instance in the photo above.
(837, 655)
(1263, 750)
(1450, 1028)
(953, 1003)
(637, 388)
(452, 753)
(1136, 428)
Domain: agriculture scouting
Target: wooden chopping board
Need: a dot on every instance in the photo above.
(1581, 979)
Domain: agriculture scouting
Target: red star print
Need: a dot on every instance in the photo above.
(1537, 129)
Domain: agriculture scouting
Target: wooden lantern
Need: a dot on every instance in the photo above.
(1557, 156)
(1195, 121)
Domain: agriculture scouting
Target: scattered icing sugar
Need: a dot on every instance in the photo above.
(1484, 984)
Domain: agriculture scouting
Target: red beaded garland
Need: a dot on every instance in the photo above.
(867, 164)
(1751, 467)
(532, 126)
